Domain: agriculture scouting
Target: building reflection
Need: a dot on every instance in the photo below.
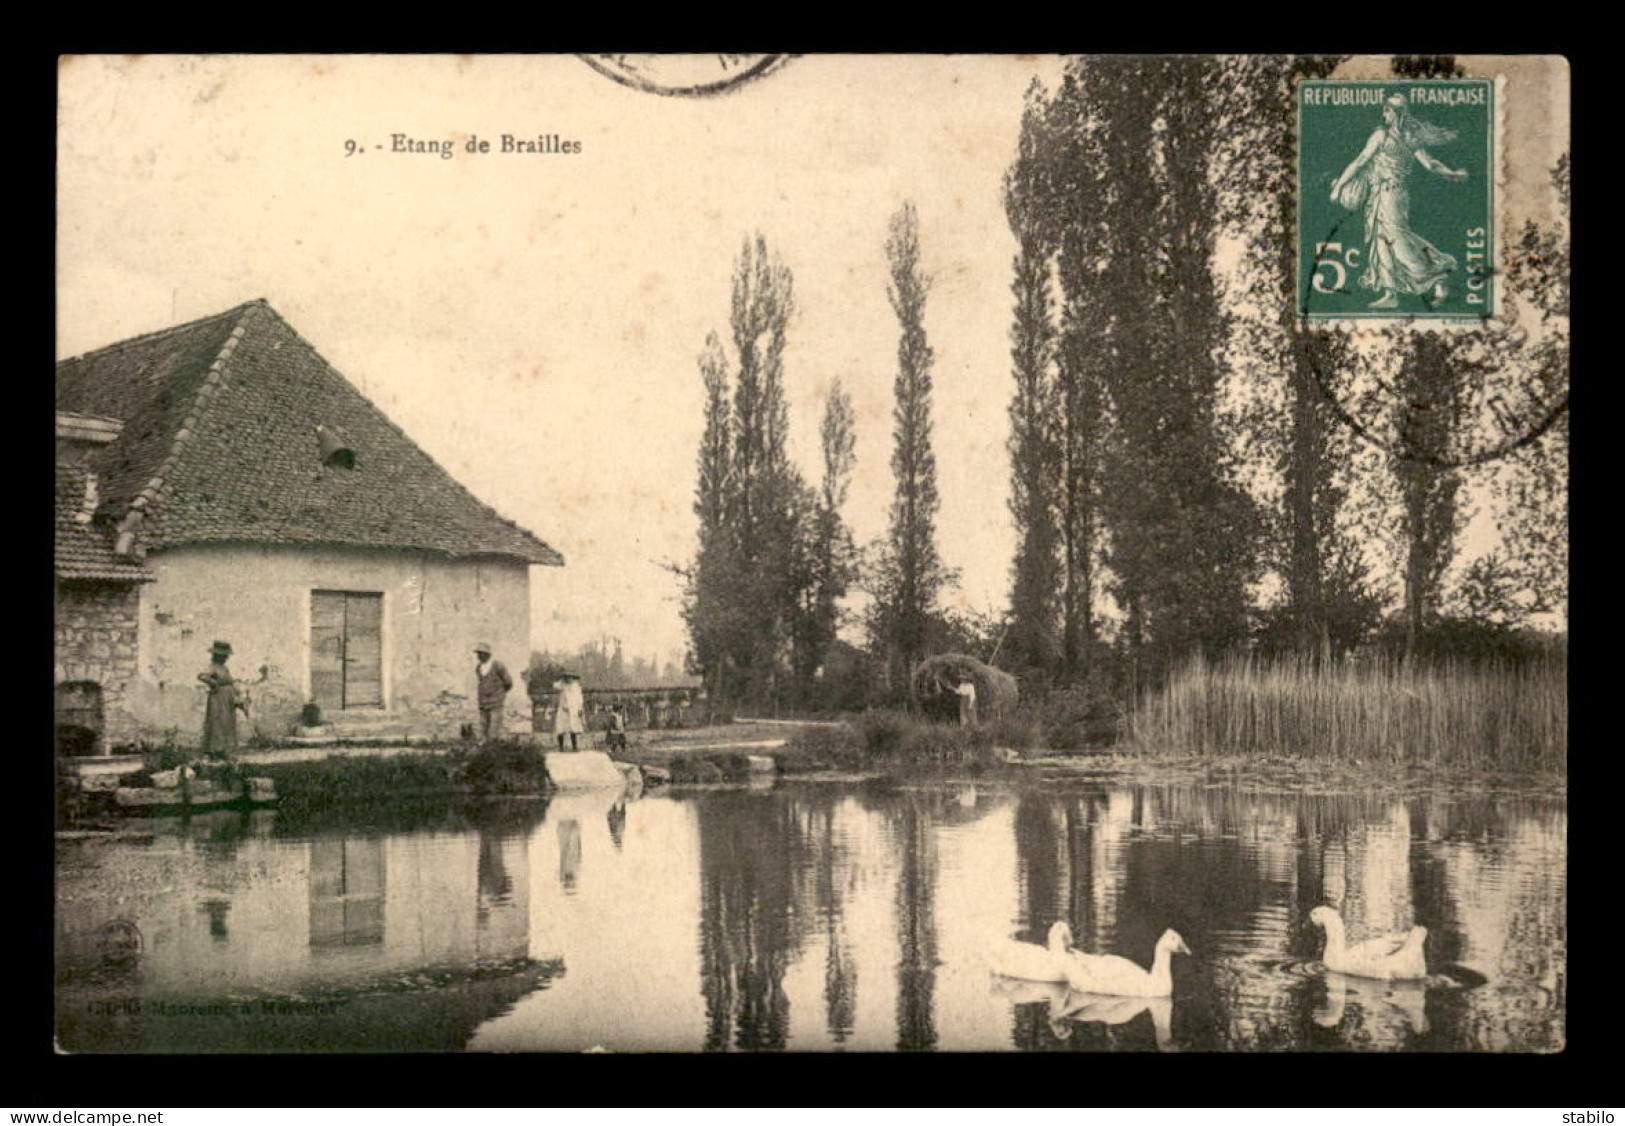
(346, 892)
(233, 921)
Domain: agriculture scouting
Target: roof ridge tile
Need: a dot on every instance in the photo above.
(207, 391)
(158, 334)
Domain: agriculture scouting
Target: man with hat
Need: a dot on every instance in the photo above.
(495, 684)
(220, 713)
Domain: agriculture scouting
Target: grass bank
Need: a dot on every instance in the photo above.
(1444, 715)
(893, 742)
(352, 781)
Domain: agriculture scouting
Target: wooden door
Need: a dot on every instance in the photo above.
(346, 649)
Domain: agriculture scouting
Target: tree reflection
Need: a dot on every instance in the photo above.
(748, 848)
(840, 971)
(916, 926)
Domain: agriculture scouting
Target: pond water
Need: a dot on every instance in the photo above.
(814, 917)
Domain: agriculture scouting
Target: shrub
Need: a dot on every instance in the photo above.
(892, 738)
(1023, 731)
(1081, 715)
(506, 766)
(158, 757)
(822, 748)
(361, 781)
(883, 731)
(721, 766)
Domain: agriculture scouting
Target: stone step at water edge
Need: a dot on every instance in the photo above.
(370, 722)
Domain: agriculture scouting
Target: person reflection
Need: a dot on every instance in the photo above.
(569, 853)
(217, 910)
(492, 878)
(617, 823)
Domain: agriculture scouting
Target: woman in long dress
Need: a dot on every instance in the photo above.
(1398, 260)
(567, 720)
(220, 712)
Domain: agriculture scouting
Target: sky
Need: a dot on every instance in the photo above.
(533, 320)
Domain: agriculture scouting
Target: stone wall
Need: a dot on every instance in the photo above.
(96, 642)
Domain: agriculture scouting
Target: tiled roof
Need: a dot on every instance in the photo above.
(219, 444)
(84, 549)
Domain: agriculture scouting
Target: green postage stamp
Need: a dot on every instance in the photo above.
(1396, 199)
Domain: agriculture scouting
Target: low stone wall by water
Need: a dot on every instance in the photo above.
(643, 708)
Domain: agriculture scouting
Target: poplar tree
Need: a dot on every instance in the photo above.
(742, 597)
(1035, 454)
(707, 604)
(910, 573)
(1329, 601)
(1078, 212)
(1183, 533)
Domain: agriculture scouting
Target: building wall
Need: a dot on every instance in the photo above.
(257, 598)
(96, 641)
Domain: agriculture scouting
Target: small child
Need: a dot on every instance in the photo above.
(615, 736)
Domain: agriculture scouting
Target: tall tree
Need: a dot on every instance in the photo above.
(1183, 533)
(742, 594)
(911, 572)
(1035, 452)
(1531, 495)
(829, 553)
(1327, 601)
(766, 488)
(1077, 212)
(710, 606)
(1432, 383)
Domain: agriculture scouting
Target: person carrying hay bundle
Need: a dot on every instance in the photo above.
(961, 687)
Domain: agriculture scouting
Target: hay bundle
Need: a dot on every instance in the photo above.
(935, 677)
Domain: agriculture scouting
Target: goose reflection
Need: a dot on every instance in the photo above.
(1051, 994)
(1382, 1009)
(1100, 1008)
(1068, 1007)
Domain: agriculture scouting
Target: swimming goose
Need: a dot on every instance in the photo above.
(1032, 962)
(1394, 957)
(1118, 977)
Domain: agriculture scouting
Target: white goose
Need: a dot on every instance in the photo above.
(1113, 976)
(1032, 962)
(1394, 957)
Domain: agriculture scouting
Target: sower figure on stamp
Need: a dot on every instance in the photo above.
(1398, 260)
(567, 720)
(220, 712)
(494, 684)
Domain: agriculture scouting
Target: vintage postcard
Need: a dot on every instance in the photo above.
(815, 553)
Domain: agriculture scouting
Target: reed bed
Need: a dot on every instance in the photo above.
(1457, 715)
